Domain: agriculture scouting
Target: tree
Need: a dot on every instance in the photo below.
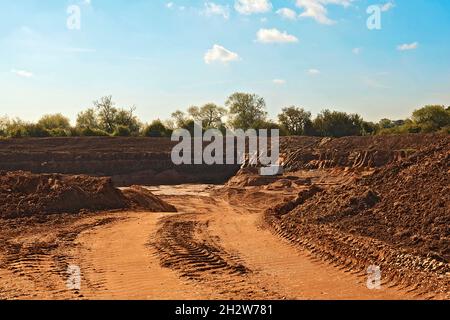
(295, 121)
(386, 124)
(368, 128)
(337, 124)
(87, 120)
(4, 123)
(157, 129)
(210, 115)
(54, 121)
(106, 113)
(179, 118)
(122, 131)
(126, 118)
(246, 110)
(432, 118)
(110, 118)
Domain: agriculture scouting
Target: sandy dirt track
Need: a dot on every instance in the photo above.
(209, 250)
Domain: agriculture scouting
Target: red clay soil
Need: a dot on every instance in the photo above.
(355, 152)
(397, 218)
(25, 194)
(139, 197)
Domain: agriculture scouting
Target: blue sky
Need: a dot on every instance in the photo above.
(166, 55)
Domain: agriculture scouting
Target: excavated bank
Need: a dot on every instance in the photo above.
(397, 218)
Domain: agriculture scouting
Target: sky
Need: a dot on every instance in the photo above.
(58, 56)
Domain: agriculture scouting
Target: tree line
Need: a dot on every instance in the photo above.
(241, 111)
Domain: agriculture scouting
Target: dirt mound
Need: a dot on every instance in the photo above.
(26, 194)
(250, 177)
(398, 217)
(140, 197)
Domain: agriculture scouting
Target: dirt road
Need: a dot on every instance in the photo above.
(209, 250)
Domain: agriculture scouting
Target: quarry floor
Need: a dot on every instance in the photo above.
(213, 248)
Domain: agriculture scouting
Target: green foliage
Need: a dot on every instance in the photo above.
(295, 121)
(431, 118)
(246, 111)
(87, 119)
(337, 124)
(210, 115)
(88, 132)
(126, 118)
(122, 131)
(54, 121)
(110, 118)
(157, 129)
(179, 119)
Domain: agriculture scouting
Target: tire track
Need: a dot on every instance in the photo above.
(184, 245)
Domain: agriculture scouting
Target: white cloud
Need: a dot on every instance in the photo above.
(275, 36)
(408, 46)
(279, 82)
(170, 5)
(356, 50)
(219, 54)
(387, 6)
(22, 73)
(212, 8)
(313, 72)
(287, 13)
(248, 7)
(317, 9)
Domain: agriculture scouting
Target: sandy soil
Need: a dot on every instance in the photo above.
(208, 250)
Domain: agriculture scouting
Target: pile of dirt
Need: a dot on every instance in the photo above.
(25, 194)
(398, 218)
(250, 177)
(140, 197)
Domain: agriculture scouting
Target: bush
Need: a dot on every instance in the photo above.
(88, 132)
(338, 124)
(54, 121)
(122, 131)
(156, 129)
(59, 132)
(36, 131)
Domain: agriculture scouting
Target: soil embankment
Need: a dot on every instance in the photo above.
(128, 161)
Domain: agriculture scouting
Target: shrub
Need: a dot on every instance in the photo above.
(156, 129)
(122, 131)
(88, 132)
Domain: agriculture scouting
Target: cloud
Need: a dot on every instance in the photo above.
(279, 82)
(408, 46)
(317, 9)
(22, 73)
(387, 6)
(219, 54)
(275, 36)
(248, 7)
(212, 8)
(169, 5)
(287, 13)
(313, 72)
